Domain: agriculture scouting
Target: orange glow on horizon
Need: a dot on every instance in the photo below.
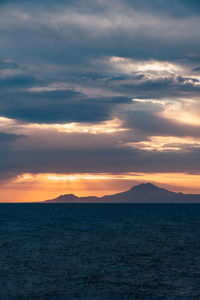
(43, 186)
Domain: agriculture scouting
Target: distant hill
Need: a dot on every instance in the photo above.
(142, 193)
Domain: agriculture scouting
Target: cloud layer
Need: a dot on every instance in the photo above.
(98, 86)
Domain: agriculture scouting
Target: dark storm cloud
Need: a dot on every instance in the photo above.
(9, 137)
(197, 69)
(114, 160)
(52, 37)
(177, 8)
(159, 88)
(58, 107)
(8, 65)
(17, 81)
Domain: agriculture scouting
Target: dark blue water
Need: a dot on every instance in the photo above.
(99, 251)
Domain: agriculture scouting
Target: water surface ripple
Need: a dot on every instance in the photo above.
(99, 251)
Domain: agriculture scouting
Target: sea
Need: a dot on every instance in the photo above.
(99, 251)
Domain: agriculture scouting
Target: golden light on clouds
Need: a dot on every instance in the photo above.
(49, 177)
(166, 143)
(110, 126)
(154, 69)
(6, 123)
(151, 68)
(185, 117)
(153, 101)
(183, 111)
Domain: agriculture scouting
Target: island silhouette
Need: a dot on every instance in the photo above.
(142, 193)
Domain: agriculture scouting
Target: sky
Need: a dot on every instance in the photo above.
(97, 96)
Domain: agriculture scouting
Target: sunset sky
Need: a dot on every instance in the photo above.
(97, 96)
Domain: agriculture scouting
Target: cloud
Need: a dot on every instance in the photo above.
(8, 65)
(17, 81)
(82, 64)
(175, 8)
(151, 123)
(57, 106)
(82, 31)
(196, 69)
(114, 160)
(9, 138)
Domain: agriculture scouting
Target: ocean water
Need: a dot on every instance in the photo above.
(99, 251)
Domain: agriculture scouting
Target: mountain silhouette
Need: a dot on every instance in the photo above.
(142, 193)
